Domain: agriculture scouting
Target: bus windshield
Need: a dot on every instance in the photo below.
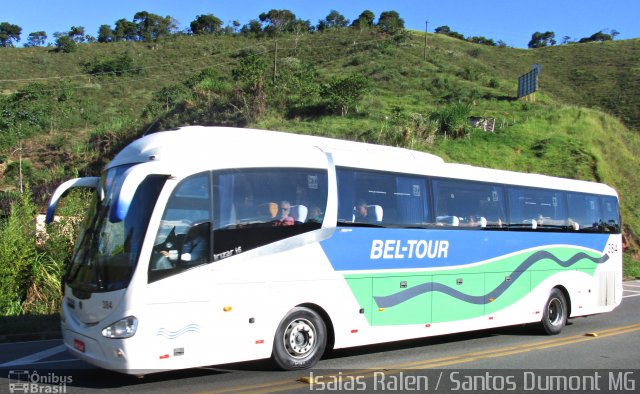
(107, 252)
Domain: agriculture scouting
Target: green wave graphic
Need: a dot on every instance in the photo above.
(402, 296)
(430, 296)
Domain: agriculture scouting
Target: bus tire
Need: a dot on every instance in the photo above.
(300, 340)
(555, 312)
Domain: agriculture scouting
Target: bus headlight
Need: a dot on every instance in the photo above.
(124, 328)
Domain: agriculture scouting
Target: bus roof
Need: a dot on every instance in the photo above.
(201, 144)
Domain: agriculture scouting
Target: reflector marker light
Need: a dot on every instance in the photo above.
(227, 308)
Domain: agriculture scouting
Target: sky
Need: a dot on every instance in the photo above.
(512, 21)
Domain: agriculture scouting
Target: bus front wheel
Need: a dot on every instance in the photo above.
(300, 340)
(554, 317)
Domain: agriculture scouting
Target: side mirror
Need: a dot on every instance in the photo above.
(88, 182)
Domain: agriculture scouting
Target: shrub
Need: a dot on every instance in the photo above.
(17, 253)
(117, 66)
(65, 44)
(452, 120)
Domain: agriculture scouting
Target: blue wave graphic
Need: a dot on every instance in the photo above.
(175, 334)
(404, 295)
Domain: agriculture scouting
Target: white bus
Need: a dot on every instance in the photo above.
(210, 245)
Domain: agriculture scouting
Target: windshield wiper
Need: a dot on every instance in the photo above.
(86, 243)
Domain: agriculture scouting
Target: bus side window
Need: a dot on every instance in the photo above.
(474, 205)
(257, 207)
(584, 212)
(537, 209)
(375, 198)
(184, 236)
(610, 221)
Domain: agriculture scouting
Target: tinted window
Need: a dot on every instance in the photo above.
(537, 209)
(184, 235)
(610, 215)
(256, 207)
(468, 204)
(584, 212)
(381, 199)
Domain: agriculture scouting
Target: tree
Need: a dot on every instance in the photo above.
(251, 74)
(539, 40)
(595, 37)
(277, 21)
(36, 39)
(151, 27)
(65, 44)
(105, 34)
(390, 22)
(365, 20)
(206, 24)
(9, 33)
(297, 85)
(332, 21)
(481, 40)
(345, 93)
(253, 28)
(125, 31)
(76, 33)
(446, 30)
(236, 26)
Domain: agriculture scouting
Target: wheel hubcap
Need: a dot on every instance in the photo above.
(555, 312)
(299, 338)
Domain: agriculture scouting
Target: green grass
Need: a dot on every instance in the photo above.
(631, 267)
(569, 131)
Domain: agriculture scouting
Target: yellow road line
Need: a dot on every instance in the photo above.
(283, 385)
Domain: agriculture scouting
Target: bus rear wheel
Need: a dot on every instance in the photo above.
(554, 317)
(300, 340)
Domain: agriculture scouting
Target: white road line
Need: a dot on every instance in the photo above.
(632, 295)
(634, 286)
(632, 291)
(36, 356)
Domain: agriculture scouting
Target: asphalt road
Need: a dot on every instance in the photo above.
(594, 354)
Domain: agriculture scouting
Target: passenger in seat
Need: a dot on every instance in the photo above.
(362, 214)
(285, 219)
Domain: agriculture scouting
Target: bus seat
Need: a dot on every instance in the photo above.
(448, 220)
(483, 222)
(299, 213)
(376, 211)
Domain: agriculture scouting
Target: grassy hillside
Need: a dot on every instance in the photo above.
(581, 125)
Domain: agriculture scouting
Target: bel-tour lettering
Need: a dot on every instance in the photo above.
(412, 248)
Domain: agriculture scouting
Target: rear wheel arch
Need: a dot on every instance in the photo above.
(567, 298)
